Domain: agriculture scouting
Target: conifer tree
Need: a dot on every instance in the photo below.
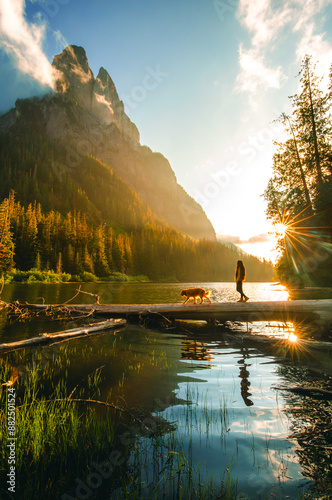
(299, 194)
(6, 242)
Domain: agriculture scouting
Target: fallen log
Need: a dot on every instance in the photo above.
(318, 312)
(227, 311)
(64, 335)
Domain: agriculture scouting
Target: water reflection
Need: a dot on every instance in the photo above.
(219, 394)
(195, 350)
(244, 375)
(311, 417)
(273, 441)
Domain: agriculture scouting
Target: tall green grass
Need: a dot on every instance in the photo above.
(56, 439)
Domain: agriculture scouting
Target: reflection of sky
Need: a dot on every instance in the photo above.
(221, 428)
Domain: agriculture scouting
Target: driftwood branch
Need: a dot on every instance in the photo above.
(66, 334)
(94, 402)
(97, 369)
(78, 291)
(56, 311)
(95, 295)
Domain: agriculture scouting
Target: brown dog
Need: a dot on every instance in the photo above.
(195, 292)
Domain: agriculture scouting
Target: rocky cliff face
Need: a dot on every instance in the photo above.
(98, 96)
(87, 117)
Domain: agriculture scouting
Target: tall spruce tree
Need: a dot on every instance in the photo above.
(6, 242)
(299, 193)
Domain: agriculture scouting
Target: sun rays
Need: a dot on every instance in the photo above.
(305, 240)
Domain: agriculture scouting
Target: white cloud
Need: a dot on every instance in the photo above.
(60, 40)
(237, 240)
(255, 74)
(320, 50)
(23, 41)
(267, 23)
(262, 20)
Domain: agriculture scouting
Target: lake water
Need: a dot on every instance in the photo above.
(225, 399)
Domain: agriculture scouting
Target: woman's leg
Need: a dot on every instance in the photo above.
(240, 290)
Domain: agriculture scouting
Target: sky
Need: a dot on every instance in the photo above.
(223, 71)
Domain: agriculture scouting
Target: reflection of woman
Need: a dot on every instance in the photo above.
(240, 276)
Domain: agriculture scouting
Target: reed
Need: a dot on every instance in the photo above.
(58, 439)
(55, 438)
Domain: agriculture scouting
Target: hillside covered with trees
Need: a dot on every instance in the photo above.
(33, 239)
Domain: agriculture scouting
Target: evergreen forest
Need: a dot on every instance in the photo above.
(78, 250)
(299, 195)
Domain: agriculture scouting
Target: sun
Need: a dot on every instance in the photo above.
(292, 337)
(281, 229)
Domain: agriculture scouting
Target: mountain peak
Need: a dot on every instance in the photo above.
(98, 96)
(103, 75)
(104, 85)
(73, 59)
(75, 74)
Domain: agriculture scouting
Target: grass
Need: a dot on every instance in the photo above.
(55, 438)
(50, 276)
(61, 443)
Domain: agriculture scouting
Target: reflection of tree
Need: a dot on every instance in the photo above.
(195, 350)
(244, 375)
(311, 428)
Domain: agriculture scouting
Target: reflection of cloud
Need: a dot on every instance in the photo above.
(23, 42)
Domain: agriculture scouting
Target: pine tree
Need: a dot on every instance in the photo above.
(6, 242)
(299, 193)
(312, 120)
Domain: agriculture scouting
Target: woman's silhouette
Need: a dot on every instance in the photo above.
(240, 276)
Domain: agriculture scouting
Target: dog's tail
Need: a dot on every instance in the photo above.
(207, 294)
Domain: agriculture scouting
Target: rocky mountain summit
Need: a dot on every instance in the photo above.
(96, 95)
(85, 117)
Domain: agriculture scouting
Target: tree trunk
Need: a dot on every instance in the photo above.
(314, 131)
(304, 181)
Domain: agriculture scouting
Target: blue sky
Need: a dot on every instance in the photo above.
(224, 69)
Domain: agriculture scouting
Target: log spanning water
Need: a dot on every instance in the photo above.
(319, 311)
(49, 338)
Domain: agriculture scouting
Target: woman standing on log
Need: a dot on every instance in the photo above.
(240, 276)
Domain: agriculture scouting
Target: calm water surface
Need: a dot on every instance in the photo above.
(225, 398)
